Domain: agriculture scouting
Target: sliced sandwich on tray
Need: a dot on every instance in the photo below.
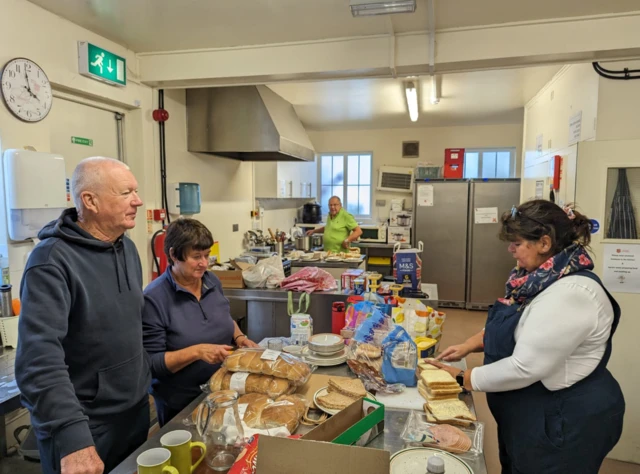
(341, 393)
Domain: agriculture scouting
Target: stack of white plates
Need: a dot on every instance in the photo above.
(325, 350)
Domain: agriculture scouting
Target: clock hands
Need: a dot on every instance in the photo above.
(26, 75)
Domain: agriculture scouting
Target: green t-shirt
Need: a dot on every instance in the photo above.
(338, 229)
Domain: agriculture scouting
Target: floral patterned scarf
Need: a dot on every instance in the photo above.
(523, 286)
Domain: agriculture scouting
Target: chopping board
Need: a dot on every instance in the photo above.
(409, 399)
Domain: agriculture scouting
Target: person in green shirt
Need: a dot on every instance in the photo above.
(341, 228)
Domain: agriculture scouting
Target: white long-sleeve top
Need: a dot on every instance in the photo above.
(560, 339)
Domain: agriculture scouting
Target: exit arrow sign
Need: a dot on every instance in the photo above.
(102, 65)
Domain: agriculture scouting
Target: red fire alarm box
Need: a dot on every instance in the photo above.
(555, 170)
(159, 215)
(453, 163)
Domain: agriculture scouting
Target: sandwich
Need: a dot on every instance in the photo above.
(438, 379)
(353, 388)
(335, 401)
(447, 410)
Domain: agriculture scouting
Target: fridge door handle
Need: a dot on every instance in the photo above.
(470, 224)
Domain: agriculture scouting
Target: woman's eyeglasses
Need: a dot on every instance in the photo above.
(515, 212)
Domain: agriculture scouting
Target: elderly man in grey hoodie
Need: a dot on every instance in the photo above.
(80, 364)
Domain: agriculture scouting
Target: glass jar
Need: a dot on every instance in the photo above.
(219, 424)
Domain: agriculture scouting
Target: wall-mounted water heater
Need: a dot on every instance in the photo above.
(183, 198)
(35, 190)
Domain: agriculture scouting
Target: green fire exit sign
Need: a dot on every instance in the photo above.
(101, 64)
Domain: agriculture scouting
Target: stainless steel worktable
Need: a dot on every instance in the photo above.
(390, 440)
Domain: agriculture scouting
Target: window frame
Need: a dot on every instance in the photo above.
(345, 156)
(481, 151)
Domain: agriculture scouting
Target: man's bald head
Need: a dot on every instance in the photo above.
(91, 174)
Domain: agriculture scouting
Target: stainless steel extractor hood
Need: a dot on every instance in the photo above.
(249, 123)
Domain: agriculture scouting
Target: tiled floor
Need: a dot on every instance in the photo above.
(458, 327)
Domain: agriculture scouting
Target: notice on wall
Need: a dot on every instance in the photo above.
(621, 270)
(575, 128)
(539, 143)
(425, 195)
(486, 215)
(539, 189)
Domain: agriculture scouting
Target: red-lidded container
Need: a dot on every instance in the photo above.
(337, 317)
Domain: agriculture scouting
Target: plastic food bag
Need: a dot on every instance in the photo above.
(464, 442)
(407, 266)
(268, 273)
(365, 351)
(400, 358)
(267, 362)
(310, 279)
(244, 382)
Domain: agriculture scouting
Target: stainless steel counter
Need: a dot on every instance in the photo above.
(321, 264)
(390, 440)
(267, 315)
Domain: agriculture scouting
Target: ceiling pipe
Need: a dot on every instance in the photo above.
(392, 47)
(431, 22)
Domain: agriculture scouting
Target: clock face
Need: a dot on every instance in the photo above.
(26, 90)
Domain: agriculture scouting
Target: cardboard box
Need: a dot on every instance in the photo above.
(404, 221)
(399, 234)
(329, 448)
(230, 278)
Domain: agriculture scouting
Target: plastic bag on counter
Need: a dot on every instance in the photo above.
(245, 382)
(365, 351)
(267, 273)
(400, 358)
(310, 279)
(407, 266)
(460, 441)
(268, 362)
(414, 316)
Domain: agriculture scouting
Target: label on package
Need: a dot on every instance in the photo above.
(242, 408)
(270, 354)
(238, 382)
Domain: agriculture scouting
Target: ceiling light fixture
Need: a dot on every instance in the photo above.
(381, 7)
(412, 100)
(435, 93)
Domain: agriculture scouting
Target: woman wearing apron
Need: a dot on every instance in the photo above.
(546, 346)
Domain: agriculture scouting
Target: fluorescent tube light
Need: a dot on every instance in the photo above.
(381, 7)
(435, 94)
(412, 100)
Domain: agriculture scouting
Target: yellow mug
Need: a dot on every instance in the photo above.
(180, 444)
(155, 461)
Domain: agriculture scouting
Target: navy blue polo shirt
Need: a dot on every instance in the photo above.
(174, 319)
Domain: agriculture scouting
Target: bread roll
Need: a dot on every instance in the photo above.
(285, 366)
(281, 413)
(254, 383)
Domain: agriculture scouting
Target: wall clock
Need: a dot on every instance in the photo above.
(26, 90)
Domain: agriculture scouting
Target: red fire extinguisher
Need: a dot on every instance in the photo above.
(160, 262)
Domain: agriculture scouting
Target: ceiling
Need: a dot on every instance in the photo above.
(168, 25)
(473, 98)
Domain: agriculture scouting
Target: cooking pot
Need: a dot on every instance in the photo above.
(303, 243)
(316, 240)
(403, 220)
(311, 213)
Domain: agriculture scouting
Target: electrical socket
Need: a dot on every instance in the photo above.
(381, 202)
(236, 227)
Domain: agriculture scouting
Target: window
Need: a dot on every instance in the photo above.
(347, 176)
(490, 163)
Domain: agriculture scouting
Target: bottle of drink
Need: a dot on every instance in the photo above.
(435, 465)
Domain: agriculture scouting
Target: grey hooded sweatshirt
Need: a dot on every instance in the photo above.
(80, 353)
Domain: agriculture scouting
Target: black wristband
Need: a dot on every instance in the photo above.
(235, 339)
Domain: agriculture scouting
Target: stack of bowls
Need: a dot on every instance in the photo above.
(325, 350)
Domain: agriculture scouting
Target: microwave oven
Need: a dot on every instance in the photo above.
(373, 233)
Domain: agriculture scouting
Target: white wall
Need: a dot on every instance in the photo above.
(225, 185)
(574, 89)
(619, 105)
(386, 146)
(52, 43)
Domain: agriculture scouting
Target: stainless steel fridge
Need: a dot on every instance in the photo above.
(458, 222)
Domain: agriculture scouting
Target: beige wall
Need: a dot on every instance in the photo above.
(225, 185)
(386, 146)
(52, 43)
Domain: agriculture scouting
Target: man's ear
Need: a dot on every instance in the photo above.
(90, 201)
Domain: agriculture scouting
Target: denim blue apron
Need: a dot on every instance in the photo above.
(553, 432)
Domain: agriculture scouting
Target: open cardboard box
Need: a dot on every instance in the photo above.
(332, 447)
(232, 278)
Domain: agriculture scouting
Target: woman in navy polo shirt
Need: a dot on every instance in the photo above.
(187, 324)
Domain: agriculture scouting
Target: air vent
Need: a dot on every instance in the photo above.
(410, 149)
(395, 179)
